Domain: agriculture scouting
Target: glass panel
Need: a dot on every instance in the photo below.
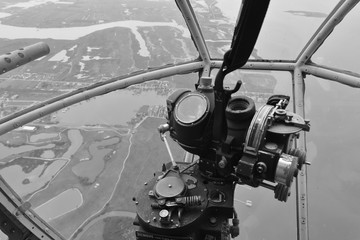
(342, 49)
(80, 167)
(89, 42)
(259, 85)
(257, 207)
(332, 146)
(3, 236)
(217, 21)
(287, 27)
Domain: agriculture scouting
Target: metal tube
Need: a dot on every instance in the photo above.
(22, 56)
(13, 203)
(301, 180)
(163, 136)
(196, 34)
(332, 74)
(274, 65)
(325, 29)
(46, 108)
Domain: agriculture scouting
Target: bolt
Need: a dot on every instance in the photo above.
(145, 183)
(164, 213)
(169, 186)
(212, 220)
(222, 163)
(303, 197)
(261, 167)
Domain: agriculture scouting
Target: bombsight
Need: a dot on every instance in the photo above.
(234, 144)
(258, 145)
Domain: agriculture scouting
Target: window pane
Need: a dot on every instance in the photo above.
(257, 208)
(89, 42)
(91, 158)
(288, 26)
(259, 85)
(342, 48)
(332, 149)
(3, 236)
(217, 22)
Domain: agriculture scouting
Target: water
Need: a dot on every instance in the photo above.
(91, 168)
(116, 108)
(60, 204)
(42, 136)
(334, 174)
(76, 140)
(7, 151)
(27, 183)
(74, 33)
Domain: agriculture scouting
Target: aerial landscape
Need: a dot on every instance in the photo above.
(72, 165)
(81, 166)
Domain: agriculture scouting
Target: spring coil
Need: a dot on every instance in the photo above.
(191, 201)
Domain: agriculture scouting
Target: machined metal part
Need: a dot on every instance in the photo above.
(170, 186)
(289, 123)
(286, 169)
(257, 129)
(22, 56)
(21, 215)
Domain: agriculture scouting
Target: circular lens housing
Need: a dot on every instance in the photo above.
(191, 108)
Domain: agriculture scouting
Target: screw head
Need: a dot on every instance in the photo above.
(261, 167)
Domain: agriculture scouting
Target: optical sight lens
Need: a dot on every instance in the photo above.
(191, 108)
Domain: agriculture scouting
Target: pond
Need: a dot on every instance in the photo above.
(61, 204)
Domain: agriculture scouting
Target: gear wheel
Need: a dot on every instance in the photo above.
(282, 192)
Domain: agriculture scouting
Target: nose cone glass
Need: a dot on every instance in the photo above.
(191, 108)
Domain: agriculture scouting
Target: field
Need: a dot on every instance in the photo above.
(142, 162)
